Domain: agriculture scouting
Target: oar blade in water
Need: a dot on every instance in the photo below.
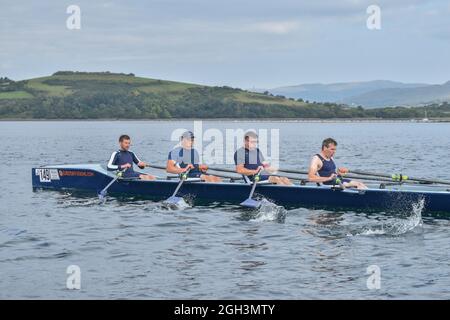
(102, 195)
(251, 203)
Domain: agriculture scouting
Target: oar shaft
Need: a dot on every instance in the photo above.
(222, 170)
(370, 176)
(255, 182)
(436, 181)
(375, 174)
(237, 177)
(155, 166)
(362, 175)
(253, 189)
(110, 183)
(178, 188)
(293, 171)
(102, 193)
(181, 182)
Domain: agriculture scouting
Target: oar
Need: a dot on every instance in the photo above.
(222, 170)
(273, 175)
(251, 203)
(174, 200)
(293, 171)
(102, 194)
(155, 166)
(367, 178)
(401, 177)
(225, 176)
(237, 177)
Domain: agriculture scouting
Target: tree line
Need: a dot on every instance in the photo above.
(122, 100)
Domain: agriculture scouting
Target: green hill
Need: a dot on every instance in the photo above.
(97, 95)
(105, 95)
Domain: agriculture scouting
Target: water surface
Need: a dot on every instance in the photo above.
(136, 249)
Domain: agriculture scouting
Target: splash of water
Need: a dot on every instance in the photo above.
(269, 211)
(180, 205)
(396, 226)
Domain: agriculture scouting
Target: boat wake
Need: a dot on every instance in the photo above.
(396, 226)
(68, 200)
(269, 211)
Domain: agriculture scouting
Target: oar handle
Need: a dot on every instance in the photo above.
(184, 175)
(121, 172)
(257, 176)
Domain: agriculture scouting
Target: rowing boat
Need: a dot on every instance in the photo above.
(92, 178)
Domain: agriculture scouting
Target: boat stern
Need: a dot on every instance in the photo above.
(79, 177)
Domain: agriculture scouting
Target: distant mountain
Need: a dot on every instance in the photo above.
(338, 92)
(412, 96)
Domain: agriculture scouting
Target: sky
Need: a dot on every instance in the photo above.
(247, 44)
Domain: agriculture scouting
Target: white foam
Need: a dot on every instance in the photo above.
(396, 227)
(269, 211)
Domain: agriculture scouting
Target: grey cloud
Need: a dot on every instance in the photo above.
(240, 43)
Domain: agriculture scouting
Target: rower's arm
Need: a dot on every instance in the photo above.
(135, 158)
(171, 167)
(112, 162)
(244, 171)
(315, 166)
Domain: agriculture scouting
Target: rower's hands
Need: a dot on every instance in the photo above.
(332, 177)
(343, 171)
(203, 167)
(258, 170)
(141, 164)
(125, 166)
(189, 166)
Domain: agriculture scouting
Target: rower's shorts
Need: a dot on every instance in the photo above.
(195, 174)
(131, 174)
(334, 182)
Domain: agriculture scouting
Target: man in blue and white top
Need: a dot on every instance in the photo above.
(185, 157)
(249, 162)
(124, 159)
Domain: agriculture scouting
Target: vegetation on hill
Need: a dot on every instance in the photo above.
(106, 95)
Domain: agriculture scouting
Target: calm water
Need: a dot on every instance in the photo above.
(135, 249)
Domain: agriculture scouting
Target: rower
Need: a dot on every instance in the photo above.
(249, 161)
(185, 157)
(124, 159)
(323, 169)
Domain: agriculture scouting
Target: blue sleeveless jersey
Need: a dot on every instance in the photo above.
(183, 157)
(328, 167)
